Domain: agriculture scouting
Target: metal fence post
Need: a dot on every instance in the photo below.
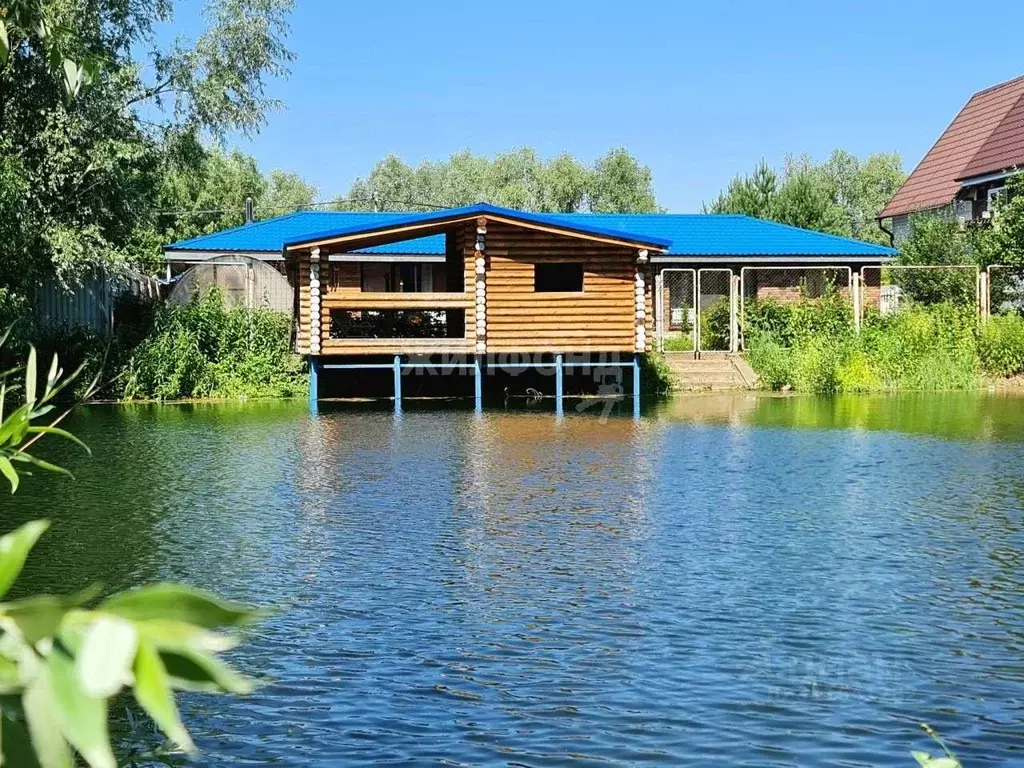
(558, 385)
(659, 331)
(314, 384)
(478, 384)
(636, 386)
(398, 383)
(734, 319)
(985, 294)
(856, 280)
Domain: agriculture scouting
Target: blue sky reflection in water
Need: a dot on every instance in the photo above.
(735, 580)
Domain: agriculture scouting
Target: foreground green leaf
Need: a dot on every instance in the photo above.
(81, 718)
(15, 546)
(7, 470)
(27, 458)
(58, 432)
(154, 694)
(105, 660)
(40, 708)
(194, 671)
(172, 635)
(927, 761)
(40, 616)
(30, 377)
(177, 603)
(5, 47)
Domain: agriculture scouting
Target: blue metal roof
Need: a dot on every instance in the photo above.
(684, 234)
(583, 224)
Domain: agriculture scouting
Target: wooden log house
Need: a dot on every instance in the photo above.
(511, 283)
(479, 285)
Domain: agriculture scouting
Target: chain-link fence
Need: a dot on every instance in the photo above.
(676, 320)
(886, 290)
(714, 310)
(770, 297)
(1004, 290)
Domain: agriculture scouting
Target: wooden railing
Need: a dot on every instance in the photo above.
(339, 302)
(353, 300)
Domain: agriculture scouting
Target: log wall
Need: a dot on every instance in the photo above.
(600, 318)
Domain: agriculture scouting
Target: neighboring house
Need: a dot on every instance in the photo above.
(966, 170)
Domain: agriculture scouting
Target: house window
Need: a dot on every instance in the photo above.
(996, 198)
(397, 278)
(558, 277)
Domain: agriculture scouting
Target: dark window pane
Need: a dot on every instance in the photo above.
(558, 278)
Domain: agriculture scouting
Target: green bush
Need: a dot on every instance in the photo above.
(814, 349)
(772, 362)
(655, 375)
(792, 323)
(768, 319)
(679, 342)
(714, 325)
(204, 349)
(1001, 345)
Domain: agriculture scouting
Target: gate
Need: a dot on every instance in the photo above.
(676, 313)
(715, 327)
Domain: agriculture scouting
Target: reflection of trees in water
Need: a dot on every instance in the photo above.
(959, 415)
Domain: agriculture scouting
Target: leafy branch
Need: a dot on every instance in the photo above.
(62, 657)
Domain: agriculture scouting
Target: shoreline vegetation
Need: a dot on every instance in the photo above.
(207, 351)
(811, 346)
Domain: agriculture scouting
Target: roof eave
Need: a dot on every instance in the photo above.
(996, 175)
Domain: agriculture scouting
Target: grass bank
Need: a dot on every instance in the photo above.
(811, 346)
(189, 351)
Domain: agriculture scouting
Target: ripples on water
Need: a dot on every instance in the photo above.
(727, 581)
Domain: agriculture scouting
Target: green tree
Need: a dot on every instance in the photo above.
(80, 176)
(203, 189)
(517, 179)
(806, 200)
(752, 195)
(841, 196)
(937, 241)
(621, 185)
(1003, 242)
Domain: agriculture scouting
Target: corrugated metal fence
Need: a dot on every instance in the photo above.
(90, 304)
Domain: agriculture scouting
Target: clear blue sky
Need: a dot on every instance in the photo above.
(699, 91)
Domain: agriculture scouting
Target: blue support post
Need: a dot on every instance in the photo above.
(636, 386)
(478, 383)
(314, 383)
(558, 385)
(398, 384)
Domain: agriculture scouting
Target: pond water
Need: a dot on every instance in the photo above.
(731, 580)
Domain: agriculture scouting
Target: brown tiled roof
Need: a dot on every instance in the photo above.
(987, 136)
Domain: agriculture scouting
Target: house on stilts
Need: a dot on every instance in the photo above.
(481, 288)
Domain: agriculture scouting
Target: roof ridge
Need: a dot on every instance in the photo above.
(997, 86)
